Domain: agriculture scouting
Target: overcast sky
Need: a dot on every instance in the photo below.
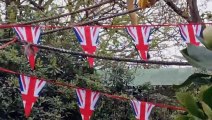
(207, 7)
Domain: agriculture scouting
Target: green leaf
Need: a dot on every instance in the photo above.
(207, 97)
(202, 89)
(201, 40)
(207, 110)
(190, 104)
(198, 57)
(199, 53)
(189, 59)
(197, 78)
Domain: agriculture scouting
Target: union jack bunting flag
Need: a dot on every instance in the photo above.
(87, 102)
(189, 33)
(141, 109)
(140, 36)
(88, 38)
(31, 35)
(30, 88)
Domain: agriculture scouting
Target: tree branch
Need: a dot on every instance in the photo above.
(110, 58)
(194, 12)
(178, 10)
(40, 2)
(47, 3)
(36, 5)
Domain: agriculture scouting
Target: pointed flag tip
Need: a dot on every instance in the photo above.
(30, 88)
(31, 59)
(27, 114)
(91, 62)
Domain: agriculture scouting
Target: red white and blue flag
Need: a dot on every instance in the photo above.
(88, 38)
(87, 102)
(141, 109)
(30, 88)
(189, 33)
(31, 35)
(140, 35)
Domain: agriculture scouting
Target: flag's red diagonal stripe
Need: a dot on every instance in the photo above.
(20, 33)
(81, 35)
(94, 31)
(183, 31)
(108, 95)
(149, 107)
(41, 81)
(23, 81)
(95, 96)
(135, 107)
(36, 30)
(131, 32)
(80, 96)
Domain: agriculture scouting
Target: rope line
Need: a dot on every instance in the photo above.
(105, 26)
(105, 94)
(77, 24)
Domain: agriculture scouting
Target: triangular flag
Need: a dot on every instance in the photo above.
(87, 102)
(189, 32)
(30, 88)
(29, 34)
(88, 38)
(141, 109)
(140, 36)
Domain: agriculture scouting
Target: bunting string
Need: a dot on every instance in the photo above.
(60, 28)
(70, 86)
(4, 26)
(88, 38)
(70, 26)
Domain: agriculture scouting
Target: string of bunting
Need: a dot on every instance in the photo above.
(102, 57)
(66, 27)
(88, 37)
(30, 87)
